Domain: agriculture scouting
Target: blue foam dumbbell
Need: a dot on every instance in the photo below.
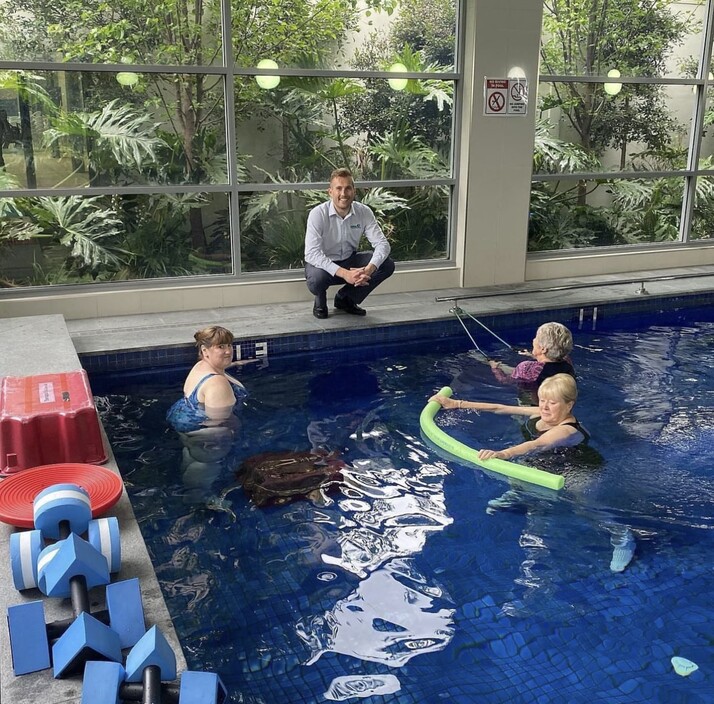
(150, 663)
(86, 638)
(25, 549)
(59, 510)
(35, 645)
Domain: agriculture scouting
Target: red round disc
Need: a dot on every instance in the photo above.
(18, 491)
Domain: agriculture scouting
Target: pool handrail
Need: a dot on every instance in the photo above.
(574, 286)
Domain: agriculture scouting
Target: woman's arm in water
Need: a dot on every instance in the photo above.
(500, 408)
(560, 436)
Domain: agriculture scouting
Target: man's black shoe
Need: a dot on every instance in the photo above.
(319, 312)
(348, 306)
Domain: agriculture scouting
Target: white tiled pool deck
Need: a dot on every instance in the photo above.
(48, 344)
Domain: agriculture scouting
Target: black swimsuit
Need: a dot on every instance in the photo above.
(530, 427)
(568, 460)
(562, 366)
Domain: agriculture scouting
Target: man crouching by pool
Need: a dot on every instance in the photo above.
(334, 230)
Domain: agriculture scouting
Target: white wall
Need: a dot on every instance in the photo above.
(506, 33)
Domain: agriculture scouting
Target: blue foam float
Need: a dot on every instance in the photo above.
(126, 611)
(201, 688)
(102, 681)
(103, 534)
(151, 650)
(25, 549)
(69, 558)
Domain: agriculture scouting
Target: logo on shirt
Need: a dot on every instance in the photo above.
(355, 227)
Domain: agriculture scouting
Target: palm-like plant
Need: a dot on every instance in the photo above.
(158, 236)
(27, 86)
(401, 155)
(119, 141)
(84, 228)
(331, 94)
(556, 156)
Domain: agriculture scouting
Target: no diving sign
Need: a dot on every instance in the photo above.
(505, 96)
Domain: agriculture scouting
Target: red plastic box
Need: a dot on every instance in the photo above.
(47, 419)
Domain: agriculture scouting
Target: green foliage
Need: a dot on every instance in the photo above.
(590, 37)
(85, 230)
(646, 210)
(158, 238)
(285, 244)
(556, 156)
(419, 229)
(401, 155)
(28, 87)
(428, 27)
(703, 222)
(291, 32)
(557, 222)
(424, 106)
(119, 139)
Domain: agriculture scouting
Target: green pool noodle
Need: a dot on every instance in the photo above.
(464, 452)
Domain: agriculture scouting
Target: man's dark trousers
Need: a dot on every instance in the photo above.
(318, 280)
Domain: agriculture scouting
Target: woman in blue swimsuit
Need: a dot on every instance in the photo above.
(211, 396)
(206, 416)
(552, 423)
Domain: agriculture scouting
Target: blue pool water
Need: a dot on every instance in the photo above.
(397, 585)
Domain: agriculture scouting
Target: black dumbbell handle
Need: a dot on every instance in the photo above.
(150, 690)
(79, 596)
(169, 692)
(56, 628)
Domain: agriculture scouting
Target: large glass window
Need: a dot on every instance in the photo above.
(138, 142)
(53, 240)
(83, 129)
(621, 128)
(414, 219)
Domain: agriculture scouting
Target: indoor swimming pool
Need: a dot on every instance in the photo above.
(399, 582)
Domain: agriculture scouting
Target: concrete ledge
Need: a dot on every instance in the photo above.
(38, 345)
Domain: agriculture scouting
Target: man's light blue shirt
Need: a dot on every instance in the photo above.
(331, 238)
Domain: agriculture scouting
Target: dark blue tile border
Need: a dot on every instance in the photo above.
(253, 346)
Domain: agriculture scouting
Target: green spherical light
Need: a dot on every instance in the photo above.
(127, 78)
(267, 82)
(612, 88)
(398, 83)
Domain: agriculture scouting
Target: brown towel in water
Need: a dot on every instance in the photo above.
(280, 477)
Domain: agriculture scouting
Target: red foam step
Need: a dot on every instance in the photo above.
(48, 418)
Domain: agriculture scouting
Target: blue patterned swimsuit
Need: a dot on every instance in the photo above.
(189, 414)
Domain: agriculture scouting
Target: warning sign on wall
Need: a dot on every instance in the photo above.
(505, 96)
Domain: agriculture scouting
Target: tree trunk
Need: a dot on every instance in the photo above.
(26, 138)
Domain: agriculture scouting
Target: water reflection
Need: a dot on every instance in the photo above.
(391, 517)
(347, 687)
(394, 612)
(392, 616)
